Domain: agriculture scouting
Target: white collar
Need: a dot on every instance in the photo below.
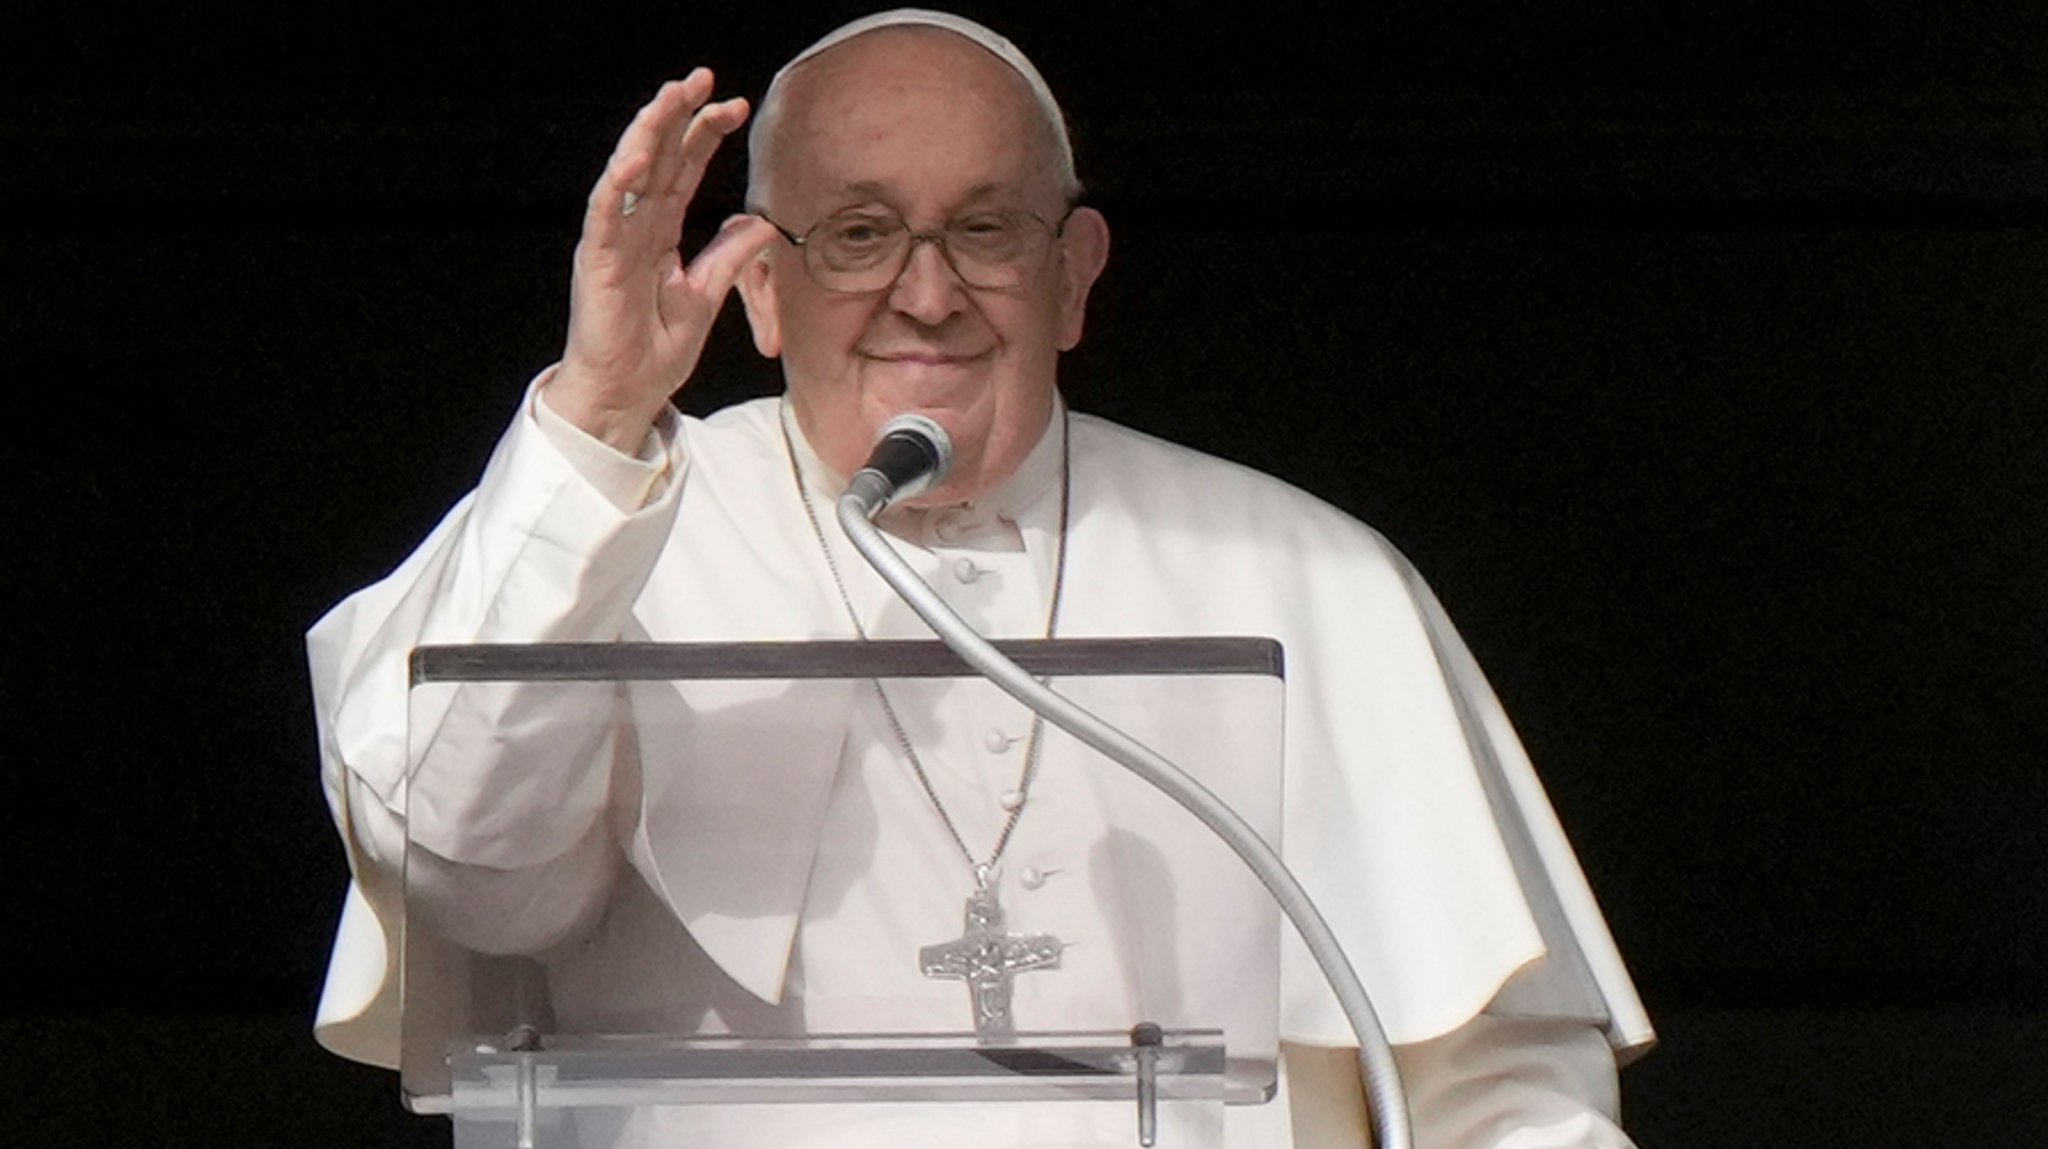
(1021, 512)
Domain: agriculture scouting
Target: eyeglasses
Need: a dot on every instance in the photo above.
(864, 249)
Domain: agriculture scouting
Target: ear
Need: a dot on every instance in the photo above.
(1084, 245)
(757, 292)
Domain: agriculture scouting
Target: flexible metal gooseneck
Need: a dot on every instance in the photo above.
(1386, 1103)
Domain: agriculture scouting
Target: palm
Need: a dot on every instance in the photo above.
(638, 315)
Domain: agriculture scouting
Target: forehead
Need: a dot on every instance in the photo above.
(916, 116)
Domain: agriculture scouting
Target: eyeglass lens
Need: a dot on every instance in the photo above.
(867, 251)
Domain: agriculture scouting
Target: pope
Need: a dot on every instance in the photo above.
(915, 243)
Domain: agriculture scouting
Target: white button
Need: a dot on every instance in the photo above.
(1032, 877)
(1011, 800)
(965, 570)
(996, 741)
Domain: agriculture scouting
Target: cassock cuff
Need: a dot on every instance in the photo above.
(627, 482)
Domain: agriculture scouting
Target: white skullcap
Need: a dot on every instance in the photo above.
(992, 41)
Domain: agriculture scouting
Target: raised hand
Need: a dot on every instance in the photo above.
(638, 316)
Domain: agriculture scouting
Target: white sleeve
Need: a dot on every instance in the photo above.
(628, 482)
(1514, 1083)
(1492, 1083)
(540, 551)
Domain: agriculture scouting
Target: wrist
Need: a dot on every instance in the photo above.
(622, 429)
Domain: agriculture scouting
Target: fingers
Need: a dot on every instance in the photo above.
(658, 163)
(738, 241)
(680, 163)
(633, 156)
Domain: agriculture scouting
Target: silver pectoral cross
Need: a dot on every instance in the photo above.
(988, 960)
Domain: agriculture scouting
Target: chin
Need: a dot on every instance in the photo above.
(966, 484)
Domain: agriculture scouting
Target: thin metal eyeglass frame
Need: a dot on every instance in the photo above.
(802, 244)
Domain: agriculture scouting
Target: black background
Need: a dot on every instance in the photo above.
(1696, 353)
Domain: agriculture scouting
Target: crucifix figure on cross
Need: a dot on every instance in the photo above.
(988, 960)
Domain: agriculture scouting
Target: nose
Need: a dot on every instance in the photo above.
(928, 290)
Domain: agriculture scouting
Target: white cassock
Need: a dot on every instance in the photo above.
(1410, 812)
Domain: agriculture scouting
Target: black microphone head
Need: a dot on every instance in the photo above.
(927, 434)
(912, 454)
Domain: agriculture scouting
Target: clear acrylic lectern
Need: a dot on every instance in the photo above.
(742, 893)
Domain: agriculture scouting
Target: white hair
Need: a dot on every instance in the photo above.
(768, 115)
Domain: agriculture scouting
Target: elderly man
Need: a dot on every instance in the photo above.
(915, 245)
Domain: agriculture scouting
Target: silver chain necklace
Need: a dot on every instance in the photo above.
(1015, 800)
(985, 957)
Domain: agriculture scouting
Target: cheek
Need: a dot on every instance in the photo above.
(822, 374)
(1034, 337)
(1051, 308)
(819, 337)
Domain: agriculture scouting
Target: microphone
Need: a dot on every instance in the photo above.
(911, 455)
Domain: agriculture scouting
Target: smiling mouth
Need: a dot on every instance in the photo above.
(931, 362)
